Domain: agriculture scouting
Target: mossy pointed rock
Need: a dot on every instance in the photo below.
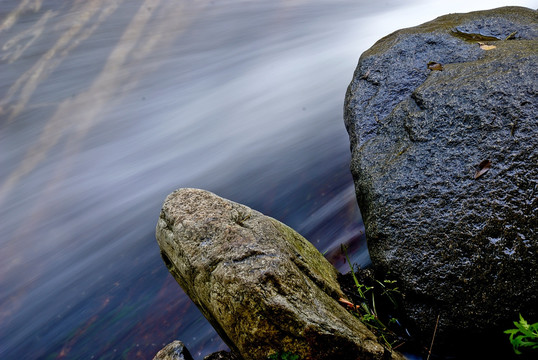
(445, 165)
(262, 286)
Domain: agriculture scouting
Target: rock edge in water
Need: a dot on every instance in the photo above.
(176, 350)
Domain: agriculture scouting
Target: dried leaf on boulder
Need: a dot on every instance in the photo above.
(469, 36)
(482, 168)
(486, 46)
(435, 66)
(511, 36)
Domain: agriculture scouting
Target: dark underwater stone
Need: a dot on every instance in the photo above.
(176, 350)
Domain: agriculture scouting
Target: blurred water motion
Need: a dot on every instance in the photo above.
(109, 105)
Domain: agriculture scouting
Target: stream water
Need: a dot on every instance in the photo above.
(106, 106)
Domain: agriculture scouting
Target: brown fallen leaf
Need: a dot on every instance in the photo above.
(482, 168)
(348, 304)
(486, 46)
(435, 66)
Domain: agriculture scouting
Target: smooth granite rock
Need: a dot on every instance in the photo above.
(262, 286)
(445, 164)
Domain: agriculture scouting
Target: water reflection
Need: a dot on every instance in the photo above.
(109, 105)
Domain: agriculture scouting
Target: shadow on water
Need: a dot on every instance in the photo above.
(108, 106)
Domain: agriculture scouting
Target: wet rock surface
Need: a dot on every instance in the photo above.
(262, 286)
(445, 165)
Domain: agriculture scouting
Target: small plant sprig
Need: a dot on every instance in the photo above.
(366, 310)
(283, 356)
(525, 335)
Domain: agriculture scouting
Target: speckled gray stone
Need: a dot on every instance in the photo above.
(262, 286)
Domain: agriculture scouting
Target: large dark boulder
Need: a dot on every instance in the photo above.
(461, 240)
(262, 286)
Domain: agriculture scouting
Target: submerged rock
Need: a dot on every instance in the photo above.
(445, 164)
(221, 355)
(176, 350)
(262, 286)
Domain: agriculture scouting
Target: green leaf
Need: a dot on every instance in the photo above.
(528, 335)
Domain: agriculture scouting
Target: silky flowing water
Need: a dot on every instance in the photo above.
(106, 106)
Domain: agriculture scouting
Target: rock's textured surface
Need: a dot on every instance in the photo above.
(463, 247)
(262, 286)
(176, 350)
